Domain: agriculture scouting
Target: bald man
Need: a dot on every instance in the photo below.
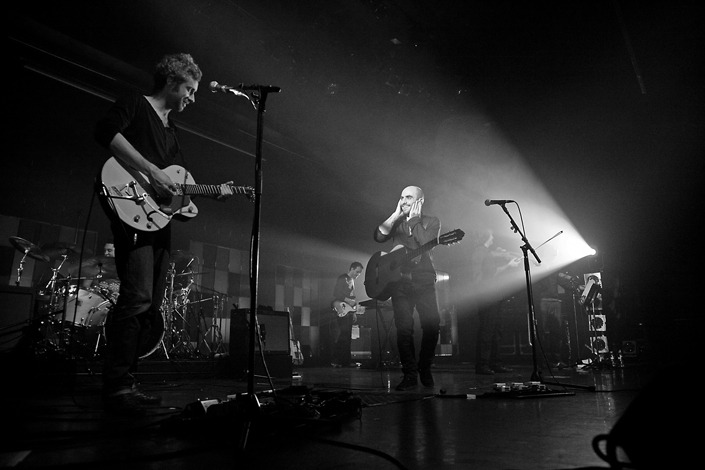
(408, 228)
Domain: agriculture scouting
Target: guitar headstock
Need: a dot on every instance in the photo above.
(450, 238)
(247, 191)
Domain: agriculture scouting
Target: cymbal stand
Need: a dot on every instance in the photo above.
(181, 340)
(216, 346)
(20, 268)
(53, 286)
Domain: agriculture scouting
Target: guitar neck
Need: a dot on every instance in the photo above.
(208, 189)
(411, 254)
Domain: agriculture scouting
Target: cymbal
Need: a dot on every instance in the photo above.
(193, 273)
(56, 249)
(29, 248)
(179, 255)
(96, 266)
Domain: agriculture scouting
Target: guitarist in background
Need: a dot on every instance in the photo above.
(345, 306)
(492, 265)
(138, 132)
(408, 228)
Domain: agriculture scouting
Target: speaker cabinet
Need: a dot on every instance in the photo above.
(16, 306)
(360, 344)
(274, 331)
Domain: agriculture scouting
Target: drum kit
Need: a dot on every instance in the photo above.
(73, 305)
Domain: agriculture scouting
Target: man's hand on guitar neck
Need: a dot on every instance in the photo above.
(226, 190)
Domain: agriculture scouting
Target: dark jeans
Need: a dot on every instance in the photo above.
(405, 298)
(489, 334)
(341, 332)
(142, 261)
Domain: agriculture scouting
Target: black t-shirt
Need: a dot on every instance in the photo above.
(135, 118)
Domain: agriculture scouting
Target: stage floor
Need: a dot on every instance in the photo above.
(321, 417)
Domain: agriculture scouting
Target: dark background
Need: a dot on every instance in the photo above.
(600, 102)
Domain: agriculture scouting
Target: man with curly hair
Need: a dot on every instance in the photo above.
(139, 132)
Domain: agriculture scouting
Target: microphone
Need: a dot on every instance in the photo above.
(215, 86)
(262, 88)
(489, 202)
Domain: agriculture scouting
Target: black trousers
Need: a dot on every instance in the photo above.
(136, 321)
(407, 296)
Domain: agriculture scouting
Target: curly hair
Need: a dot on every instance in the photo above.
(179, 67)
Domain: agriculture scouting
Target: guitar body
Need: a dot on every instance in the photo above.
(343, 308)
(135, 202)
(384, 269)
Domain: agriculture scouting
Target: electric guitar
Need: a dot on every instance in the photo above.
(297, 357)
(343, 308)
(137, 204)
(384, 269)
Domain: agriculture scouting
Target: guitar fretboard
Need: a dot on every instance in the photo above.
(209, 189)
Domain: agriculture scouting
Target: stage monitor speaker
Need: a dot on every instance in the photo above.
(16, 306)
(274, 330)
(599, 344)
(598, 322)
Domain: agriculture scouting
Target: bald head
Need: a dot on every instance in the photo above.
(409, 196)
(414, 191)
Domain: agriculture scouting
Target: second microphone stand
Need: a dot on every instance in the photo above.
(526, 248)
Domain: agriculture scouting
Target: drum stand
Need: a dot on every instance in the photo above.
(179, 339)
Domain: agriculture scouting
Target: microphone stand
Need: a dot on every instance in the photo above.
(526, 248)
(252, 403)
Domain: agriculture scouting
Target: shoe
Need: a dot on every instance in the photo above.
(501, 369)
(426, 378)
(125, 404)
(407, 383)
(484, 371)
(146, 399)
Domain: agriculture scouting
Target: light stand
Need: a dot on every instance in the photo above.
(526, 248)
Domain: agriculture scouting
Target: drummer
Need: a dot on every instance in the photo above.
(109, 250)
(100, 281)
(108, 286)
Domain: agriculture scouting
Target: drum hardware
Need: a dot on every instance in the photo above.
(177, 339)
(191, 273)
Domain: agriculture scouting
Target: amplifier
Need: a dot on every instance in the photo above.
(274, 330)
(16, 307)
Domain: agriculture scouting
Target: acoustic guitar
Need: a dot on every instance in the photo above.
(384, 269)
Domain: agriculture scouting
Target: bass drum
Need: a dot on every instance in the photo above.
(81, 306)
(153, 339)
(85, 315)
